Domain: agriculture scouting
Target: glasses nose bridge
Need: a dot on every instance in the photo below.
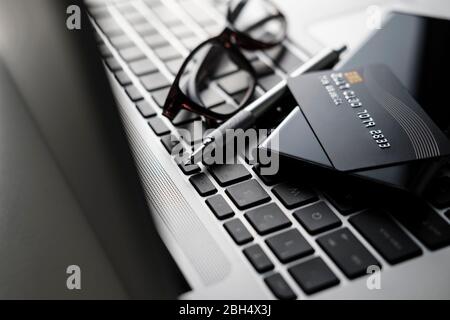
(227, 37)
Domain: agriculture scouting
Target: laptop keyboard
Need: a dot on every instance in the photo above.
(297, 236)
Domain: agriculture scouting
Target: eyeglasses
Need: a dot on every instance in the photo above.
(251, 25)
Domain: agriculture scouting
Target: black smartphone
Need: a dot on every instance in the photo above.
(417, 50)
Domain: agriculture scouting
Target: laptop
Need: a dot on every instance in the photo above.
(156, 229)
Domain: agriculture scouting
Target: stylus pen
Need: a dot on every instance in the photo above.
(247, 117)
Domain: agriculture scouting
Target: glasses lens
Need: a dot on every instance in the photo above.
(217, 81)
(258, 19)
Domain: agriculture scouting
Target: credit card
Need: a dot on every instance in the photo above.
(361, 118)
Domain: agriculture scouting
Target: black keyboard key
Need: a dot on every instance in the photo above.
(426, 225)
(313, 275)
(142, 67)
(191, 42)
(184, 117)
(239, 97)
(123, 78)
(238, 231)
(279, 287)
(267, 219)
(347, 252)
(131, 54)
(146, 109)
(121, 42)
(213, 29)
(127, 9)
(167, 53)
(250, 55)
(346, 200)
(203, 185)
(220, 207)
(98, 12)
(289, 245)
(211, 98)
(189, 169)
(113, 64)
(247, 194)
(104, 51)
(228, 174)
(293, 196)
(145, 29)
(269, 180)
(135, 18)
(192, 132)
(165, 14)
(154, 81)
(234, 83)
(224, 108)
(174, 65)
(447, 214)
(268, 82)
(133, 93)
(155, 40)
(258, 258)
(440, 193)
(317, 218)
(109, 26)
(170, 142)
(224, 67)
(262, 69)
(385, 236)
(160, 96)
(181, 31)
(285, 59)
(158, 126)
